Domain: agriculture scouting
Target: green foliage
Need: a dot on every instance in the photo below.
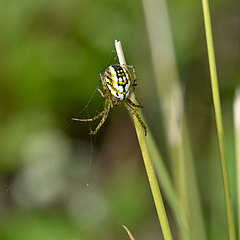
(59, 183)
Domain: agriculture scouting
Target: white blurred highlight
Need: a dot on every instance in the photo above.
(236, 116)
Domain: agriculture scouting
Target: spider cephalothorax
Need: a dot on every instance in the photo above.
(117, 86)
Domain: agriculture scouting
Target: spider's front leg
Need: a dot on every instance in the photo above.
(105, 115)
(134, 74)
(100, 91)
(103, 82)
(89, 119)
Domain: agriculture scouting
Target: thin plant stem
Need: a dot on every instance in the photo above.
(168, 188)
(148, 162)
(236, 113)
(128, 232)
(218, 116)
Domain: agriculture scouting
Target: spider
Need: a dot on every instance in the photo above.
(117, 85)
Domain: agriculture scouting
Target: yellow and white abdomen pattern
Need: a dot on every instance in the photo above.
(118, 81)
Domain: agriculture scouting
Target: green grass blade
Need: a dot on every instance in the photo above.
(218, 116)
(152, 178)
(168, 188)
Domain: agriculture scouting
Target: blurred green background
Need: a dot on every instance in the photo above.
(57, 182)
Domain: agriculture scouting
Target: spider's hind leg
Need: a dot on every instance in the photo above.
(134, 74)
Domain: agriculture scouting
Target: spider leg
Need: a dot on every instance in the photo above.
(105, 115)
(134, 104)
(133, 111)
(134, 74)
(89, 119)
(100, 91)
(103, 82)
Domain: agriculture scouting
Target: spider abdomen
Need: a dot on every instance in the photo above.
(118, 81)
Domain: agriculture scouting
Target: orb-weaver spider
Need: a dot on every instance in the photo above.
(117, 85)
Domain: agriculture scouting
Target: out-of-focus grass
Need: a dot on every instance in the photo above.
(51, 54)
(170, 94)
